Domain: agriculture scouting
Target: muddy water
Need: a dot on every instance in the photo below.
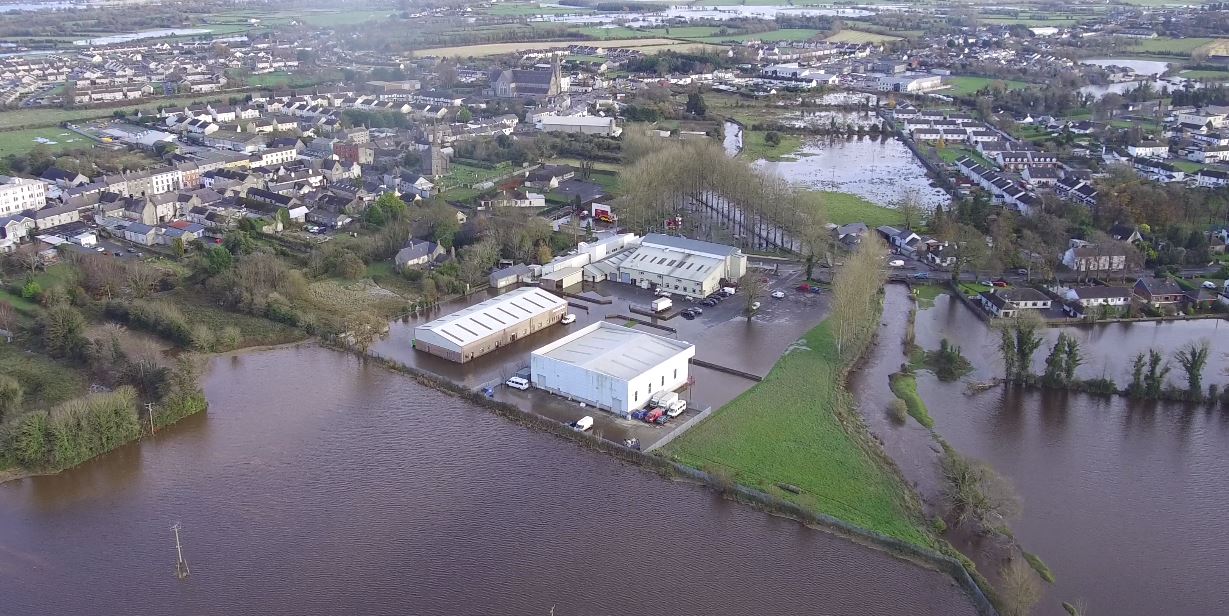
(879, 169)
(1124, 500)
(316, 484)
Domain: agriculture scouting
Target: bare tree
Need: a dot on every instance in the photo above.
(752, 288)
(1019, 589)
(855, 292)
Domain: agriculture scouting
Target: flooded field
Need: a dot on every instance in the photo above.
(1121, 498)
(319, 484)
(879, 169)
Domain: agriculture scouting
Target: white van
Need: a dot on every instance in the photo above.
(517, 382)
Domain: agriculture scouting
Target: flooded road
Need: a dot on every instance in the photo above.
(879, 169)
(317, 484)
(1123, 499)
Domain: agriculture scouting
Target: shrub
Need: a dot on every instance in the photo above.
(31, 290)
(898, 410)
(76, 430)
(159, 318)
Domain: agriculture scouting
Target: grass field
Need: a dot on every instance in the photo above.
(1208, 75)
(1189, 166)
(647, 45)
(787, 34)
(47, 382)
(858, 36)
(22, 141)
(614, 32)
(54, 116)
(529, 10)
(1171, 46)
(755, 148)
(789, 429)
(951, 154)
(341, 18)
(843, 208)
(964, 85)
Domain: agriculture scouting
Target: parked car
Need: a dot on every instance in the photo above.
(804, 287)
(1208, 284)
(639, 415)
(708, 302)
(778, 294)
(100, 249)
(896, 263)
(653, 415)
(816, 290)
(697, 311)
(1022, 272)
(1000, 283)
(755, 305)
(922, 275)
(688, 314)
(567, 319)
(517, 382)
(986, 283)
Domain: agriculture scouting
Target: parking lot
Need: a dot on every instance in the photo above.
(722, 334)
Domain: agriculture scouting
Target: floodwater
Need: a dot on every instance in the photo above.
(1151, 69)
(879, 169)
(689, 13)
(144, 34)
(318, 484)
(733, 142)
(1123, 499)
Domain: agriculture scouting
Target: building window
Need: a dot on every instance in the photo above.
(676, 373)
(636, 397)
(663, 380)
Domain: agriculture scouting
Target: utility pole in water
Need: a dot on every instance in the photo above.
(181, 565)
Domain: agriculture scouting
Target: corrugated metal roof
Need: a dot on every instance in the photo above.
(614, 350)
(493, 315)
(684, 243)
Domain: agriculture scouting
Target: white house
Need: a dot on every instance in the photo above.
(611, 367)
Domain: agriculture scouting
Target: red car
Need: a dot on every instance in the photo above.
(999, 283)
(654, 415)
(804, 287)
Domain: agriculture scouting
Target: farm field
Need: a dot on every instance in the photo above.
(530, 10)
(788, 429)
(1171, 46)
(1202, 74)
(787, 34)
(858, 36)
(22, 141)
(494, 49)
(613, 32)
(963, 86)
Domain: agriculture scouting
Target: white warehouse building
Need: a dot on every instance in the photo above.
(693, 268)
(496, 322)
(611, 366)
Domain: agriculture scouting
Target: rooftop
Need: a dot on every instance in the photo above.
(614, 350)
(496, 314)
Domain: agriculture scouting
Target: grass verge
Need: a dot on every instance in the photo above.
(756, 147)
(905, 388)
(843, 208)
(797, 427)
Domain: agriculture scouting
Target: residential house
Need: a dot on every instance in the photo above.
(140, 233)
(1159, 291)
(941, 255)
(417, 254)
(1095, 258)
(1007, 303)
(1080, 300)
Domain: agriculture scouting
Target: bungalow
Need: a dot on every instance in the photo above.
(1007, 303)
(850, 235)
(1148, 149)
(549, 176)
(1081, 299)
(418, 253)
(1158, 291)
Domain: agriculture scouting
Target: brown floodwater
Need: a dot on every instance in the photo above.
(317, 484)
(1124, 500)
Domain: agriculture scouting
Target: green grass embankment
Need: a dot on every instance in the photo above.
(905, 388)
(798, 427)
(1039, 566)
(756, 146)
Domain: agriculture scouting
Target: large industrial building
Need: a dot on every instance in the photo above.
(611, 366)
(693, 268)
(484, 327)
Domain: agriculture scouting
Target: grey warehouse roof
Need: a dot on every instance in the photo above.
(614, 350)
(683, 243)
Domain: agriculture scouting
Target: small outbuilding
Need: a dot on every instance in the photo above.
(611, 367)
(562, 278)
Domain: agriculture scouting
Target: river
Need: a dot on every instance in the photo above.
(1124, 500)
(318, 484)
